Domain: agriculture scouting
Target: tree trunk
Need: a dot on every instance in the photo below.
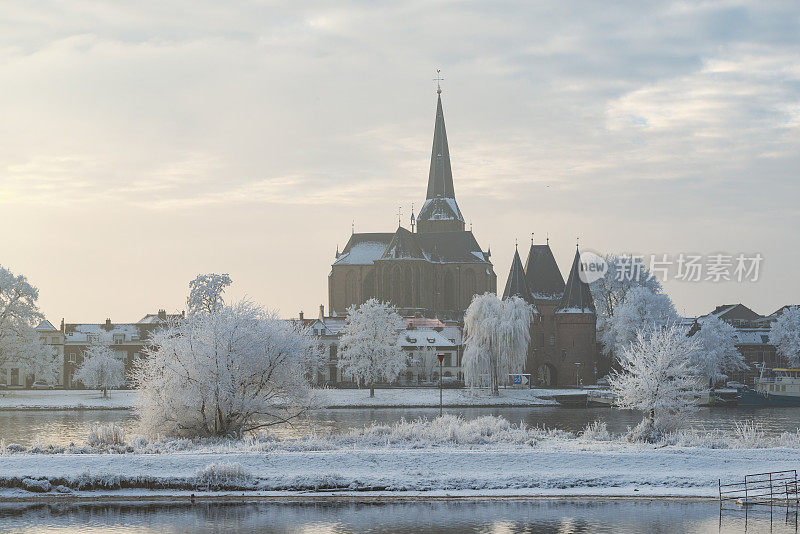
(372, 390)
(105, 392)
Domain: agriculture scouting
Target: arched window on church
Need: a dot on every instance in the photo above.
(397, 286)
(449, 291)
(469, 284)
(368, 286)
(407, 287)
(351, 289)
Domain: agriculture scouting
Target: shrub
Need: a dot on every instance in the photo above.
(596, 431)
(105, 435)
(223, 474)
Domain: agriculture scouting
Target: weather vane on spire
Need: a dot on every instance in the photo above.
(438, 81)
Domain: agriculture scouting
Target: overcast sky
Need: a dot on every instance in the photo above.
(142, 143)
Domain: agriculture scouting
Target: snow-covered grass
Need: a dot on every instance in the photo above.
(59, 399)
(105, 435)
(485, 455)
(330, 398)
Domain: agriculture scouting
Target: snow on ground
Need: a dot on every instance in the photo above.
(330, 398)
(486, 456)
(60, 399)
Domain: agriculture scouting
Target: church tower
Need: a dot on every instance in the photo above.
(440, 212)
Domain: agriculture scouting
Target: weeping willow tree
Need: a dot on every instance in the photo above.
(497, 334)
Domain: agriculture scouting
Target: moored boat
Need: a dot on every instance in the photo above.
(773, 387)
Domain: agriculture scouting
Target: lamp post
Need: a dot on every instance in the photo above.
(441, 363)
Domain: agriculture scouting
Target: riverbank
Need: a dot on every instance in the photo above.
(396, 472)
(448, 456)
(324, 398)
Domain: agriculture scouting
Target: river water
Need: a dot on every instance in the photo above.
(63, 427)
(500, 517)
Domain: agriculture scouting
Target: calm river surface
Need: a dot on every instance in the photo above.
(560, 517)
(63, 427)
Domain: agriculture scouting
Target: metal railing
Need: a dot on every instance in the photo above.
(777, 487)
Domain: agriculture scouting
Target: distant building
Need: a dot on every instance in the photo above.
(431, 270)
(563, 349)
(423, 340)
(752, 338)
(127, 340)
(14, 373)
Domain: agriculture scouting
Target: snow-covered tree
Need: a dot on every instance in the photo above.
(657, 377)
(641, 309)
(42, 362)
(205, 293)
(370, 348)
(497, 334)
(225, 373)
(717, 352)
(100, 369)
(624, 273)
(785, 335)
(19, 341)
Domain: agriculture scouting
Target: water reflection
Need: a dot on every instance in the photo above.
(412, 517)
(63, 427)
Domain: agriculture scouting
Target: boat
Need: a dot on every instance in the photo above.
(773, 387)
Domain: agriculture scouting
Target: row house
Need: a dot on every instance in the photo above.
(423, 340)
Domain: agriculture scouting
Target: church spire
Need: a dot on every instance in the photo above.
(440, 213)
(440, 176)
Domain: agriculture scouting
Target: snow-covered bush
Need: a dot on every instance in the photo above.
(497, 334)
(657, 377)
(717, 352)
(785, 335)
(750, 435)
(370, 348)
(225, 373)
(641, 310)
(223, 473)
(205, 293)
(101, 369)
(596, 431)
(105, 435)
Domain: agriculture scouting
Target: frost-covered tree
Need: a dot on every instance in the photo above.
(42, 362)
(497, 334)
(624, 273)
(100, 369)
(370, 349)
(656, 376)
(717, 352)
(225, 373)
(205, 293)
(785, 335)
(19, 341)
(641, 309)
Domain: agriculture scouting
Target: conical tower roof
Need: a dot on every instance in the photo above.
(542, 274)
(440, 213)
(516, 285)
(577, 295)
(440, 176)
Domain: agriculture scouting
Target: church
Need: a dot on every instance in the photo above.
(432, 270)
(435, 268)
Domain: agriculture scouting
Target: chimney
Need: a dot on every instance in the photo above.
(321, 312)
(301, 315)
(63, 326)
(183, 314)
(162, 314)
(107, 326)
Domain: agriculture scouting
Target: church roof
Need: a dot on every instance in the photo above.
(364, 248)
(577, 295)
(452, 247)
(440, 209)
(403, 245)
(516, 284)
(440, 176)
(542, 274)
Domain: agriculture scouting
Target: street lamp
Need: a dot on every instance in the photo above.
(441, 363)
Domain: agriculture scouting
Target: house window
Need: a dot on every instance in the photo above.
(119, 338)
(14, 377)
(54, 340)
(552, 340)
(563, 354)
(72, 357)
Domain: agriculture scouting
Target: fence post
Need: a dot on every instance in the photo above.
(770, 489)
